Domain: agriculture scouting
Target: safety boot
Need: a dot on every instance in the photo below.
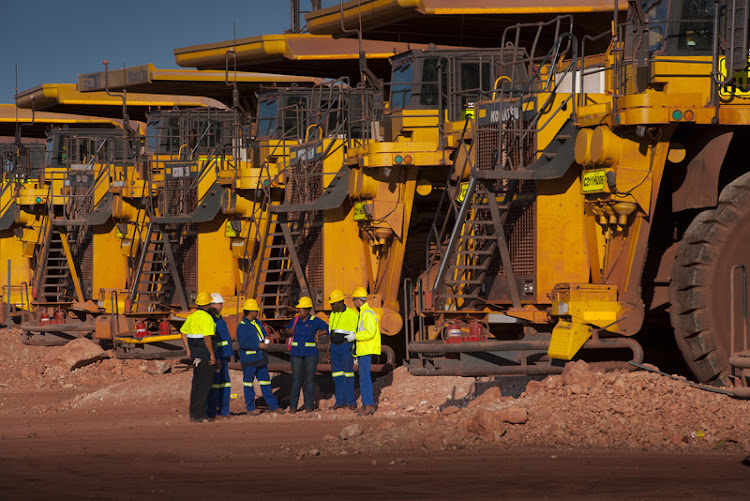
(367, 410)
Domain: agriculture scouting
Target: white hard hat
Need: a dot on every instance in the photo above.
(216, 298)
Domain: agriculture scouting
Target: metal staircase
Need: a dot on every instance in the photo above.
(157, 281)
(479, 245)
(54, 277)
(489, 235)
(290, 255)
(277, 274)
(57, 281)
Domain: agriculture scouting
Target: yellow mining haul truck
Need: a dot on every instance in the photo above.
(306, 240)
(27, 194)
(76, 236)
(425, 132)
(20, 162)
(643, 186)
(292, 233)
(180, 243)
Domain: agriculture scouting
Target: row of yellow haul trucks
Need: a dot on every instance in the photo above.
(571, 186)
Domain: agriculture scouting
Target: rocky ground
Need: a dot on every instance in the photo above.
(44, 389)
(580, 408)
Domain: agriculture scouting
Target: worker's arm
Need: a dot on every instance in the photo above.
(210, 345)
(370, 322)
(185, 342)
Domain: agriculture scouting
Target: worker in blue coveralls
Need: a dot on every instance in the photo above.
(218, 397)
(253, 342)
(304, 354)
(343, 321)
(198, 333)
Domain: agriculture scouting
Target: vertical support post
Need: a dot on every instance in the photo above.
(7, 298)
(293, 257)
(173, 268)
(502, 244)
(71, 265)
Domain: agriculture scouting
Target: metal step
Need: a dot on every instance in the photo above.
(464, 282)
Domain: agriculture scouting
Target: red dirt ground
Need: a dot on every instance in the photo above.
(113, 430)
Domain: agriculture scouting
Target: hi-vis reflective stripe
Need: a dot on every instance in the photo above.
(362, 320)
(223, 343)
(221, 385)
(245, 383)
(342, 331)
(264, 383)
(337, 374)
(294, 343)
(195, 336)
(349, 374)
(309, 345)
(250, 352)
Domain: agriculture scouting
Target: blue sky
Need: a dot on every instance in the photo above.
(52, 41)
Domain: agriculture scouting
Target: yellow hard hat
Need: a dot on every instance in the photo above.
(304, 302)
(203, 298)
(336, 296)
(360, 292)
(250, 305)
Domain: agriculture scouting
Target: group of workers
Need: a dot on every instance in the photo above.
(353, 333)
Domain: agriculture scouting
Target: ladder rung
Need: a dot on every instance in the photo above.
(466, 238)
(475, 252)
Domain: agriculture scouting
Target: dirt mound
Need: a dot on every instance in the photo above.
(578, 409)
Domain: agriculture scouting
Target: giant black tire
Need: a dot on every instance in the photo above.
(716, 241)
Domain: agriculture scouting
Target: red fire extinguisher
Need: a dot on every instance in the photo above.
(140, 330)
(476, 332)
(59, 317)
(44, 319)
(454, 333)
(164, 328)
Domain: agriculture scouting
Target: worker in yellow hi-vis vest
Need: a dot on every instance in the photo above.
(368, 344)
(198, 335)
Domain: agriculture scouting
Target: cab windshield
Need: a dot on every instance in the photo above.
(401, 82)
(268, 111)
(677, 27)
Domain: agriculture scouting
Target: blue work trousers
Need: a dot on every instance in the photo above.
(303, 372)
(264, 380)
(342, 369)
(365, 380)
(218, 397)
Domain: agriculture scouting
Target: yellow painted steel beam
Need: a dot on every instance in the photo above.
(147, 78)
(37, 123)
(290, 52)
(148, 339)
(49, 95)
(383, 12)
(71, 265)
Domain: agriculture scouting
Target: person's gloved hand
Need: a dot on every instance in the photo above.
(350, 338)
